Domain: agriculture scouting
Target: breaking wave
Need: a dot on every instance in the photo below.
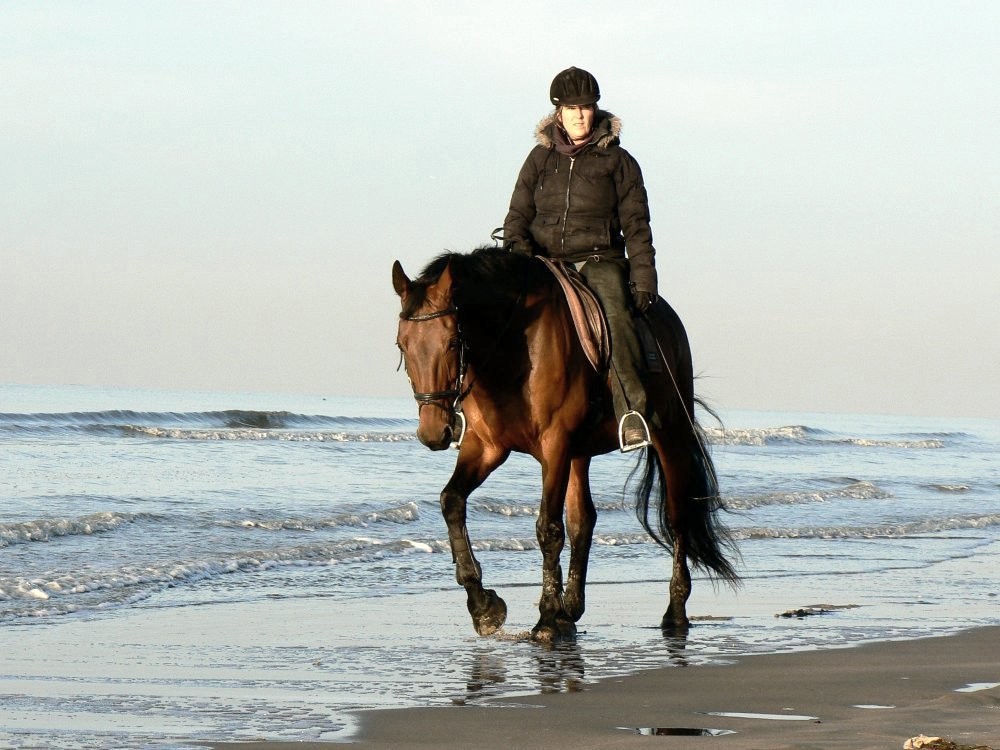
(402, 514)
(233, 424)
(515, 510)
(89, 589)
(853, 491)
(802, 435)
(242, 424)
(925, 526)
(44, 530)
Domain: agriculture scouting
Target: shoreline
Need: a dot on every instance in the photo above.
(874, 695)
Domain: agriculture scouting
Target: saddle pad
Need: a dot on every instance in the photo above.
(588, 317)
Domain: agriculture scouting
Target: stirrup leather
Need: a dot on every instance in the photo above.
(621, 433)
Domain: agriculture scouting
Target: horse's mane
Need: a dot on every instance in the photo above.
(483, 277)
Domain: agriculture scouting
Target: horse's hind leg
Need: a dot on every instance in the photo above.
(580, 519)
(489, 611)
(676, 478)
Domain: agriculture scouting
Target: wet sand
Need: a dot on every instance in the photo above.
(873, 696)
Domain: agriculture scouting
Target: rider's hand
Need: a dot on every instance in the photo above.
(520, 247)
(642, 300)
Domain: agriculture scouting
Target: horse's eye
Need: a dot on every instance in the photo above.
(453, 344)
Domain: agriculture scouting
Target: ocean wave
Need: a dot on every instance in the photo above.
(250, 424)
(91, 589)
(402, 514)
(302, 436)
(94, 589)
(913, 528)
(760, 436)
(853, 491)
(513, 510)
(530, 544)
(44, 530)
(900, 530)
(856, 490)
(802, 435)
(925, 444)
(207, 425)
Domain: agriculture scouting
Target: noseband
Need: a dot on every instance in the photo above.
(455, 394)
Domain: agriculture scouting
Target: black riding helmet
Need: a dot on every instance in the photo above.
(574, 87)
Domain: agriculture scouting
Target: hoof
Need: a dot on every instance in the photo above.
(562, 630)
(489, 616)
(672, 624)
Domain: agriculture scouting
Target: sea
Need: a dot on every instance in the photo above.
(194, 567)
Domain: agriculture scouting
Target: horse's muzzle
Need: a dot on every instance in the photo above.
(438, 435)
(437, 439)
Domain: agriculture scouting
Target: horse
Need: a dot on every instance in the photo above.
(496, 366)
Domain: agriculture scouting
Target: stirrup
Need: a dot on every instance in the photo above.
(621, 433)
(456, 441)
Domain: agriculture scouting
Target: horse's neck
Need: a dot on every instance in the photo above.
(535, 336)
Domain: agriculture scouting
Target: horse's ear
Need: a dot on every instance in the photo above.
(400, 281)
(445, 280)
(443, 289)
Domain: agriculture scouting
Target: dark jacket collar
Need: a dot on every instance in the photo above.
(607, 129)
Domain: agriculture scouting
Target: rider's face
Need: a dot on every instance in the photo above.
(578, 121)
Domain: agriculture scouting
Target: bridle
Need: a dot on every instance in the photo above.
(450, 400)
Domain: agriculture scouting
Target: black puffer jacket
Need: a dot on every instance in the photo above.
(591, 204)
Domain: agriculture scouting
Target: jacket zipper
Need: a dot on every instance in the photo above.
(562, 233)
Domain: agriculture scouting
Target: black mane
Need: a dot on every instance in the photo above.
(484, 277)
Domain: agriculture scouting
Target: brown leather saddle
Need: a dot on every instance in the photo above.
(590, 323)
(585, 309)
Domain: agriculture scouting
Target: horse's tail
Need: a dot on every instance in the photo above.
(694, 515)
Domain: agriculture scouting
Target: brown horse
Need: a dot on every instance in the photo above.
(496, 366)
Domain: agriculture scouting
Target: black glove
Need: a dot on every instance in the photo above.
(642, 300)
(520, 247)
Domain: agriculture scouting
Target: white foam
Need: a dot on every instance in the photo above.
(405, 513)
(854, 491)
(44, 530)
(975, 687)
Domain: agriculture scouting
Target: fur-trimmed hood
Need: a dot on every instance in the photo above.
(607, 126)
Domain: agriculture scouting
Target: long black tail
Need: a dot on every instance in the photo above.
(708, 541)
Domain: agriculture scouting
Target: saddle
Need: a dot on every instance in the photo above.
(590, 323)
(588, 317)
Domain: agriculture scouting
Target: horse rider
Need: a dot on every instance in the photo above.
(580, 198)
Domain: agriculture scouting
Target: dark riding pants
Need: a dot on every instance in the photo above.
(609, 281)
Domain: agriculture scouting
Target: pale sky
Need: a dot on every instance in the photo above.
(210, 195)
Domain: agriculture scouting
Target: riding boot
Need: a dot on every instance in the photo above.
(609, 281)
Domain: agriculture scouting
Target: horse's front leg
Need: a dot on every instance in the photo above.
(489, 611)
(554, 622)
(581, 516)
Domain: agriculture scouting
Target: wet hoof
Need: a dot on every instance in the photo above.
(489, 615)
(675, 624)
(561, 630)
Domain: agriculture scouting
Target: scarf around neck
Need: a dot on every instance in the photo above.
(565, 146)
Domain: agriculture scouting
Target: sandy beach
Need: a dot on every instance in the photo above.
(873, 696)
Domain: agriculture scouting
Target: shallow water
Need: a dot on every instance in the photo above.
(180, 566)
